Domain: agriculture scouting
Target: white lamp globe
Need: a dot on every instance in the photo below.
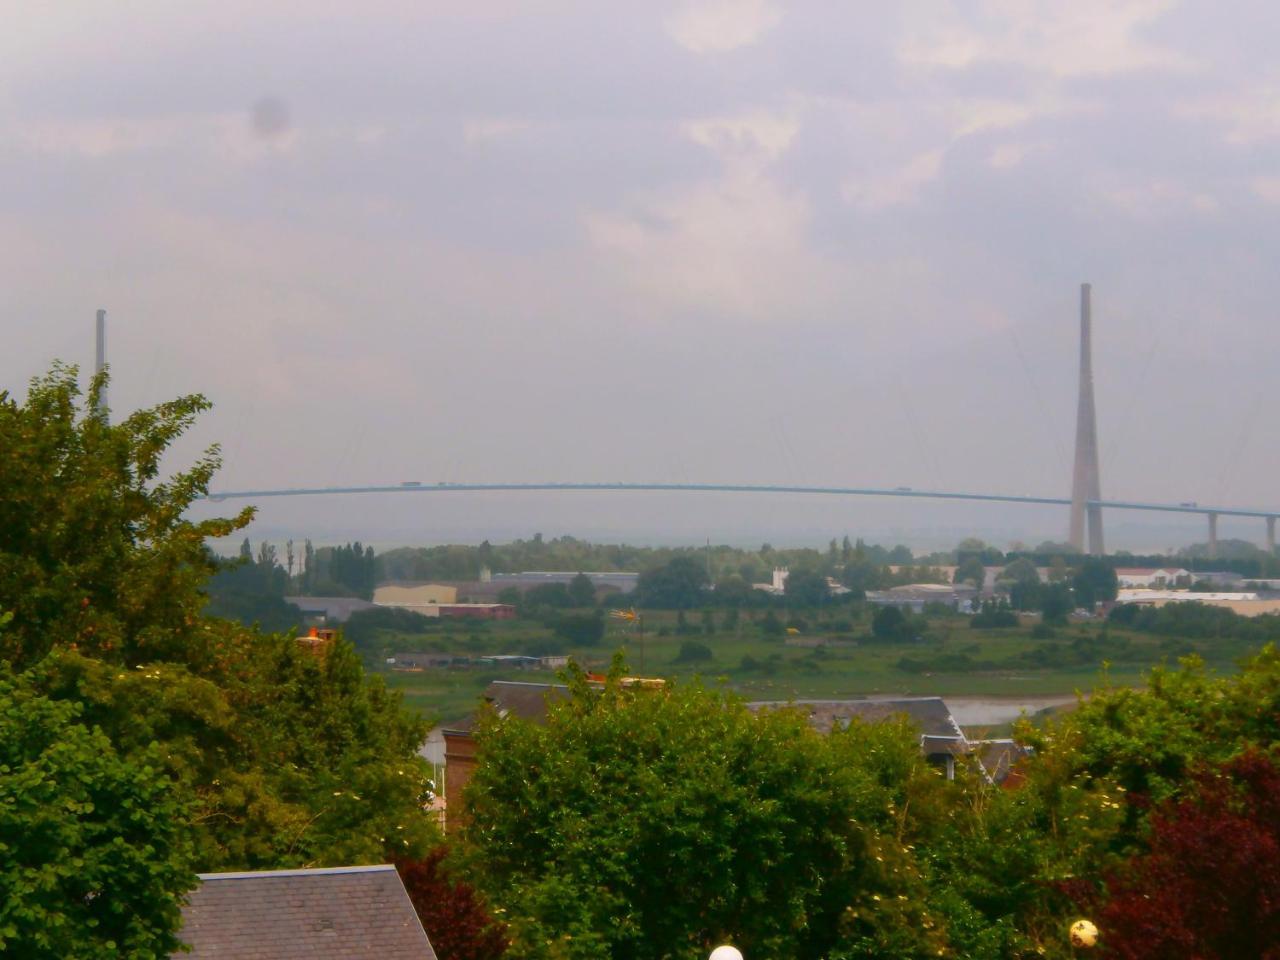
(725, 952)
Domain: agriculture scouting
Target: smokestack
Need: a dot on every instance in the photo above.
(1086, 484)
(100, 360)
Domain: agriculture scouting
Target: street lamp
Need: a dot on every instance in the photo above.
(725, 952)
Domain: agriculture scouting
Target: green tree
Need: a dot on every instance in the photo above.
(678, 584)
(806, 588)
(783, 841)
(94, 850)
(582, 592)
(889, 624)
(95, 551)
(971, 570)
(1056, 601)
(1095, 582)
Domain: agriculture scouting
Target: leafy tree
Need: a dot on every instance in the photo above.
(582, 828)
(1021, 570)
(455, 917)
(549, 595)
(971, 570)
(94, 548)
(582, 592)
(1208, 884)
(889, 624)
(580, 629)
(806, 588)
(1095, 582)
(679, 584)
(1056, 601)
(95, 857)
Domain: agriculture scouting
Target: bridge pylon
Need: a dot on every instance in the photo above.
(1086, 483)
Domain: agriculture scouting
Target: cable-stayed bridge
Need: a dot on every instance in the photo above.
(1211, 512)
(1086, 502)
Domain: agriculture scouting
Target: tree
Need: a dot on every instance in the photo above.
(94, 548)
(553, 596)
(582, 828)
(678, 584)
(691, 651)
(95, 856)
(456, 919)
(1208, 884)
(1021, 570)
(1095, 582)
(806, 588)
(582, 592)
(889, 624)
(971, 570)
(1056, 602)
(580, 629)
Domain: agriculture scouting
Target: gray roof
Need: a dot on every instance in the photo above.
(930, 714)
(344, 913)
(339, 609)
(528, 701)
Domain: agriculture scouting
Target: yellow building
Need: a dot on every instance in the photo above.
(411, 596)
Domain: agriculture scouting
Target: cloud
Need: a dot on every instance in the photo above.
(486, 129)
(1248, 116)
(1162, 199)
(1077, 39)
(757, 138)
(1268, 188)
(717, 26)
(898, 186)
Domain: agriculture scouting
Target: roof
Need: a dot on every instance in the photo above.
(343, 913)
(333, 608)
(930, 714)
(528, 701)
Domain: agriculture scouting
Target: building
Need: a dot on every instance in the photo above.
(1244, 604)
(412, 596)
(914, 596)
(1153, 578)
(941, 739)
(353, 913)
(1225, 579)
(329, 609)
(609, 581)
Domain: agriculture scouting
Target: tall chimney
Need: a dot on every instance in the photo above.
(1085, 482)
(100, 360)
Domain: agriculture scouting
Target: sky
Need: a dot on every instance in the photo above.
(719, 240)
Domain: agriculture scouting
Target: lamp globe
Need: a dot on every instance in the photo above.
(725, 952)
(1083, 934)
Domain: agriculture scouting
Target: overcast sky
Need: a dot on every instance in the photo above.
(731, 240)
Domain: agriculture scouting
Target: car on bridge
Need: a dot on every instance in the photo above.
(1188, 503)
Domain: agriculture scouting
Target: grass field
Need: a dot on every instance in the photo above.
(952, 659)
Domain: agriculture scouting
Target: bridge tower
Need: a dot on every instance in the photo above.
(1086, 484)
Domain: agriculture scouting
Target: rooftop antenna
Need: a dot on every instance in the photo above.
(100, 361)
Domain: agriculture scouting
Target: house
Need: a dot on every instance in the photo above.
(941, 739)
(914, 596)
(352, 913)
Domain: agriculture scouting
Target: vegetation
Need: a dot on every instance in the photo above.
(143, 738)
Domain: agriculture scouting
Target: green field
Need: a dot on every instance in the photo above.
(969, 662)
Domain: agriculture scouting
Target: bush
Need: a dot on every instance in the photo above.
(580, 629)
(691, 651)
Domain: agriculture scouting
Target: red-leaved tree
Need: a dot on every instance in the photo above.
(1209, 884)
(455, 918)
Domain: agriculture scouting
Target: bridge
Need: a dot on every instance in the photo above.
(1211, 512)
(1086, 502)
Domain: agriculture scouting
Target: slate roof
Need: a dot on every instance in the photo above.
(528, 701)
(344, 913)
(930, 714)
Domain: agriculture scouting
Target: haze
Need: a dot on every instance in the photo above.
(736, 240)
